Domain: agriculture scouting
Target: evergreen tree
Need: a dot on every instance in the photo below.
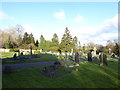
(47, 45)
(55, 43)
(75, 43)
(36, 43)
(66, 43)
(42, 43)
(31, 38)
(8, 44)
(26, 38)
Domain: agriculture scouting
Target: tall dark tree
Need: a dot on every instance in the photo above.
(36, 43)
(66, 42)
(26, 39)
(31, 38)
(116, 49)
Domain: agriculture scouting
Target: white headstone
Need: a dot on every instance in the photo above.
(109, 50)
(94, 52)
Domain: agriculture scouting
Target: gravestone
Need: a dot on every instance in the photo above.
(109, 51)
(31, 50)
(15, 56)
(66, 56)
(76, 57)
(94, 52)
(57, 63)
(89, 54)
(103, 59)
(80, 54)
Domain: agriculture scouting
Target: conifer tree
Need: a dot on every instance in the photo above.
(66, 43)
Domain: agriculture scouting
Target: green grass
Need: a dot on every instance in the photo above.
(6, 54)
(40, 58)
(90, 75)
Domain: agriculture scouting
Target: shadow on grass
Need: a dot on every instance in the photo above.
(29, 58)
(89, 75)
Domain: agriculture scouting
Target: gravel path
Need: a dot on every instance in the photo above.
(36, 64)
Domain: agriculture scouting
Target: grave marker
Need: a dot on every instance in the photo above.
(76, 57)
(31, 50)
(103, 59)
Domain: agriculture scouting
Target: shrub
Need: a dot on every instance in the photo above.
(70, 57)
(14, 50)
(37, 52)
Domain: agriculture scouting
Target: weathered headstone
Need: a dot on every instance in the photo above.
(31, 50)
(80, 54)
(21, 53)
(103, 59)
(76, 57)
(66, 56)
(89, 54)
(15, 56)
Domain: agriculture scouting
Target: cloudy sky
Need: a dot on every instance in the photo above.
(89, 21)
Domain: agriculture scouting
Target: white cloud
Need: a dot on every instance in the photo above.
(4, 16)
(78, 18)
(29, 29)
(108, 30)
(60, 15)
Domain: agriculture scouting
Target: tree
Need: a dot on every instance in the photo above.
(12, 33)
(47, 45)
(109, 44)
(32, 40)
(116, 49)
(75, 43)
(42, 43)
(36, 43)
(66, 43)
(91, 45)
(26, 38)
(8, 44)
(20, 30)
(55, 43)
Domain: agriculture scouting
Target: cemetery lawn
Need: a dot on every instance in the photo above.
(6, 54)
(89, 75)
(40, 58)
